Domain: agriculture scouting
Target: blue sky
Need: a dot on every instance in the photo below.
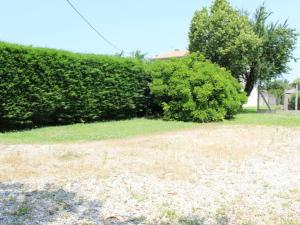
(152, 26)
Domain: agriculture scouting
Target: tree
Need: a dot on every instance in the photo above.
(295, 82)
(277, 88)
(276, 51)
(225, 36)
(138, 55)
(251, 49)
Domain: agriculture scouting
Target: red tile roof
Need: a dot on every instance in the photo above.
(173, 54)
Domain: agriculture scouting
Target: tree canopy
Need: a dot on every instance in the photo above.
(138, 55)
(277, 88)
(295, 82)
(252, 49)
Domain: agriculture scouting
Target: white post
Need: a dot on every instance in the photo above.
(258, 96)
(286, 101)
(297, 97)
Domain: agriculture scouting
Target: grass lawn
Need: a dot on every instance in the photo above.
(134, 127)
(92, 132)
(250, 117)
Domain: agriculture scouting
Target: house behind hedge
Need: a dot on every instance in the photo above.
(172, 54)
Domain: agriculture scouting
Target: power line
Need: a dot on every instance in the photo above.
(93, 28)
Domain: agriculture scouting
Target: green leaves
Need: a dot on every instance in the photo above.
(250, 49)
(192, 89)
(224, 36)
(49, 87)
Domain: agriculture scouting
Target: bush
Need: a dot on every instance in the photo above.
(193, 89)
(47, 87)
(51, 87)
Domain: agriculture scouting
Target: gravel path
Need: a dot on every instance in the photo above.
(215, 175)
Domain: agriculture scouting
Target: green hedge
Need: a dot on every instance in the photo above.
(51, 87)
(193, 89)
(46, 87)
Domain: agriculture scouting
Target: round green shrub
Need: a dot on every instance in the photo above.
(193, 89)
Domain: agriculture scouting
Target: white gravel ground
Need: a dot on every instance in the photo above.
(215, 175)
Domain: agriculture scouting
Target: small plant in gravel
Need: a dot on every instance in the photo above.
(290, 222)
(105, 157)
(137, 196)
(12, 198)
(171, 217)
(138, 220)
(22, 211)
(294, 191)
(69, 156)
(247, 223)
(221, 217)
(191, 221)
(170, 214)
(17, 223)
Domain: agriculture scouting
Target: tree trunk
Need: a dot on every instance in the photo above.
(250, 82)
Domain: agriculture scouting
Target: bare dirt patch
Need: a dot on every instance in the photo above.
(210, 175)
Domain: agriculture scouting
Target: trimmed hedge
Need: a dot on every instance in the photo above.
(51, 87)
(193, 89)
(48, 87)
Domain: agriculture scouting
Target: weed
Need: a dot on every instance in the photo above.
(69, 156)
(169, 214)
(105, 157)
(221, 217)
(138, 220)
(191, 221)
(290, 222)
(22, 211)
(247, 223)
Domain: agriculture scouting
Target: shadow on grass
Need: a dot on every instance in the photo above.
(6, 127)
(11, 128)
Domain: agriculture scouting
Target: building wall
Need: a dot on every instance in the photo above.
(252, 99)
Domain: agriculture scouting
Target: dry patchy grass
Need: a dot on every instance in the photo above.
(251, 171)
(175, 155)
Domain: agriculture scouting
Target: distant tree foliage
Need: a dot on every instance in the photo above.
(295, 82)
(276, 51)
(252, 49)
(277, 88)
(138, 55)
